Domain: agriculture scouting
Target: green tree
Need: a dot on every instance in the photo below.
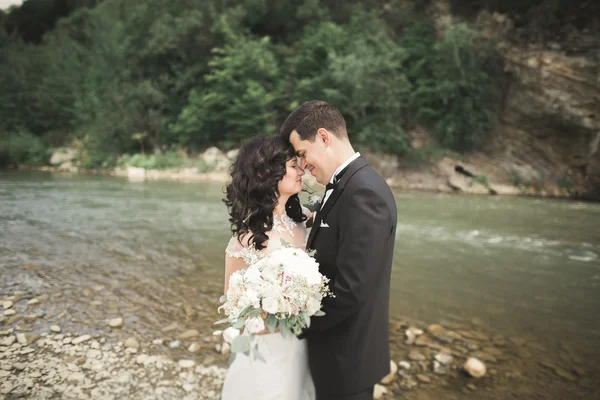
(460, 97)
(236, 98)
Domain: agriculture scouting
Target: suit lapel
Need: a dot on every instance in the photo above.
(357, 164)
(313, 231)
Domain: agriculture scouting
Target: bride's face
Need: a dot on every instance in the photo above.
(291, 183)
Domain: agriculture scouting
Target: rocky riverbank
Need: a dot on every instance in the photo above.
(41, 360)
(470, 175)
(43, 355)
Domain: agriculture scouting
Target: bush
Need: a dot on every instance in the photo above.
(158, 160)
(456, 92)
(23, 148)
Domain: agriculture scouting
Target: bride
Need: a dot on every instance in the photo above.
(264, 208)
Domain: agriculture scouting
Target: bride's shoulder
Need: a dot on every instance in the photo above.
(240, 247)
(240, 242)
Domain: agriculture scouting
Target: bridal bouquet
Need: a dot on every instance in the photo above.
(279, 291)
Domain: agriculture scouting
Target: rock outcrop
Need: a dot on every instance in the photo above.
(548, 135)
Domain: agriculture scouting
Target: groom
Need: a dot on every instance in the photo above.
(353, 235)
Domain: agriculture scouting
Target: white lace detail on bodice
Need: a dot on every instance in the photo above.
(284, 229)
(285, 224)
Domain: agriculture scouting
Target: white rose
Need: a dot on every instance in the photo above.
(252, 274)
(235, 279)
(255, 325)
(268, 273)
(230, 333)
(313, 277)
(243, 302)
(270, 305)
(252, 297)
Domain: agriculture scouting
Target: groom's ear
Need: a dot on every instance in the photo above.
(325, 136)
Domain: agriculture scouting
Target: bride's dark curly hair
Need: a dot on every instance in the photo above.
(252, 194)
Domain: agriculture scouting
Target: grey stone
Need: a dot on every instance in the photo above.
(132, 343)
(75, 378)
(81, 339)
(116, 322)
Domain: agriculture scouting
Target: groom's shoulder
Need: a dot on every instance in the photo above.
(367, 178)
(370, 177)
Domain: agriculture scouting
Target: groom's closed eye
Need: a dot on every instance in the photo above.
(300, 155)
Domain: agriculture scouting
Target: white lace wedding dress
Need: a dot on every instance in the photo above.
(285, 374)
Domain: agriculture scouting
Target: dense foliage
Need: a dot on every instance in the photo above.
(128, 76)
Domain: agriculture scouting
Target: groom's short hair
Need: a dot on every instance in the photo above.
(312, 115)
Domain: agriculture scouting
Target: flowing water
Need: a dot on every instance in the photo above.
(527, 269)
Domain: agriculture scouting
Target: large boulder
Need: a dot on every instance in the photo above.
(67, 166)
(61, 156)
(232, 154)
(215, 159)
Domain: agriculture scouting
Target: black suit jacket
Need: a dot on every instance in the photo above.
(349, 346)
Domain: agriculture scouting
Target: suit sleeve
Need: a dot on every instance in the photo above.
(364, 232)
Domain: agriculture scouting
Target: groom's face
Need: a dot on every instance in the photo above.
(312, 156)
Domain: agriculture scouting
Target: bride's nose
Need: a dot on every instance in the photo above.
(299, 170)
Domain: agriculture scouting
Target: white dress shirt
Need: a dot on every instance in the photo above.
(337, 171)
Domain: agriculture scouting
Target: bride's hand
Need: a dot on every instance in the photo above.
(266, 331)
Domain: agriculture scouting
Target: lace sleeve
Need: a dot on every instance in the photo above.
(236, 249)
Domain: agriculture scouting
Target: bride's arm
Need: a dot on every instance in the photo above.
(232, 264)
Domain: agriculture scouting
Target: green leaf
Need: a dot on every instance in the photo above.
(306, 319)
(232, 357)
(239, 323)
(245, 310)
(225, 320)
(272, 323)
(319, 314)
(240, 344)
(285, 331)
(223, 299)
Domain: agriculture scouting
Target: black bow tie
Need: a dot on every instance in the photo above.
(336, 179)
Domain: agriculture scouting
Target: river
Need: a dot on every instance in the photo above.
(524, 268)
